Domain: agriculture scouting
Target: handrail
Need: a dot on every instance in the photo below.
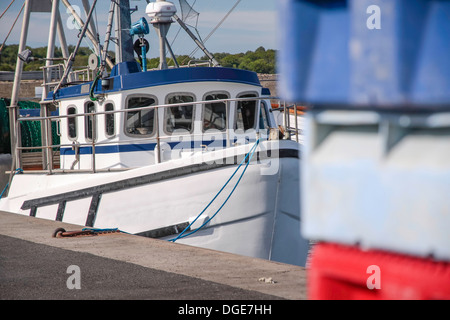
(155, 138)
(105, 143)
(52, 74)
(143, 108)
(199, 63)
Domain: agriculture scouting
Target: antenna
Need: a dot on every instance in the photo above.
(160, 14)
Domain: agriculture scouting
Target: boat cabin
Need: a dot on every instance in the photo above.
(134, 118)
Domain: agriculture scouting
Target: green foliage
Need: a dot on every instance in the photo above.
(260, 60)
(8, 58)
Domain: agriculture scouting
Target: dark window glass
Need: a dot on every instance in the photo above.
(88, 120)
(72, 123)
(179, 117)
(109, 120)
(215, 113)
(140, 122)
(263, 117)
(246, 111)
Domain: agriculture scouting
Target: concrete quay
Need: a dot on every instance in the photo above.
(35, 265)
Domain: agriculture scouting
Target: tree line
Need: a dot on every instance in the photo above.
(260, 60)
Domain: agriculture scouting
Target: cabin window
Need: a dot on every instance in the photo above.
(179, 117)
(246, 113)
(109, 120)
(263, 117)
(89, 107)
(72, 123)
(215, 113)
(141, 122)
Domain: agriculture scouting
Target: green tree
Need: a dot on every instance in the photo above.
(261, 60)
(231, 61)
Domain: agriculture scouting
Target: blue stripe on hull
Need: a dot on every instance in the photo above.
(122, 148)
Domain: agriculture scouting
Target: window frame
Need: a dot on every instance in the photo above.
(172, 94)
(256, 115)
(227, 109)
(87, 119)
(263, 105)
(127, 109)
(74, 118)
(113, 115)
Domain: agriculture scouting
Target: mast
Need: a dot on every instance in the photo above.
(122, 21)
(71, 60)
(55, 27)
(87, 8)
(14, 107)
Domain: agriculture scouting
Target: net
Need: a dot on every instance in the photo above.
(188, 15)
(30, 130)
(5, 143)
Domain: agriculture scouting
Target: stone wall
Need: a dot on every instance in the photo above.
(26, 91)
(269, 81)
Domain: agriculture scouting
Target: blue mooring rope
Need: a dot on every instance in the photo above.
(251, 152)
(19, 170)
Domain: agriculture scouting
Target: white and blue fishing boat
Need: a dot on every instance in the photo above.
(189, 154)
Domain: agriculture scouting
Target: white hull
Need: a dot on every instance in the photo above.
(261, 219)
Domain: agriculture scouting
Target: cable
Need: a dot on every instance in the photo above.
(8, 8)
(179, 29)
(216, 27)
(3, 44)
(94, 84)
(251, 152)
(19, 170)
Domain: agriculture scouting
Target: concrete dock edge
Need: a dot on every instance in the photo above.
(196, 264)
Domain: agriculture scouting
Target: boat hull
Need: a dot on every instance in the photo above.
(261, 217)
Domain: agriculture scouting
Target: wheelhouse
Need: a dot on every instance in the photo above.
(141, 118)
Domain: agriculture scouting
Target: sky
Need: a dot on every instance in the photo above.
(250, 25)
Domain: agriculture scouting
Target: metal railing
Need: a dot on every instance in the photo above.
(191, 64)
(84, 74)
(48, 146)
(52, 75)
(296, 111)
